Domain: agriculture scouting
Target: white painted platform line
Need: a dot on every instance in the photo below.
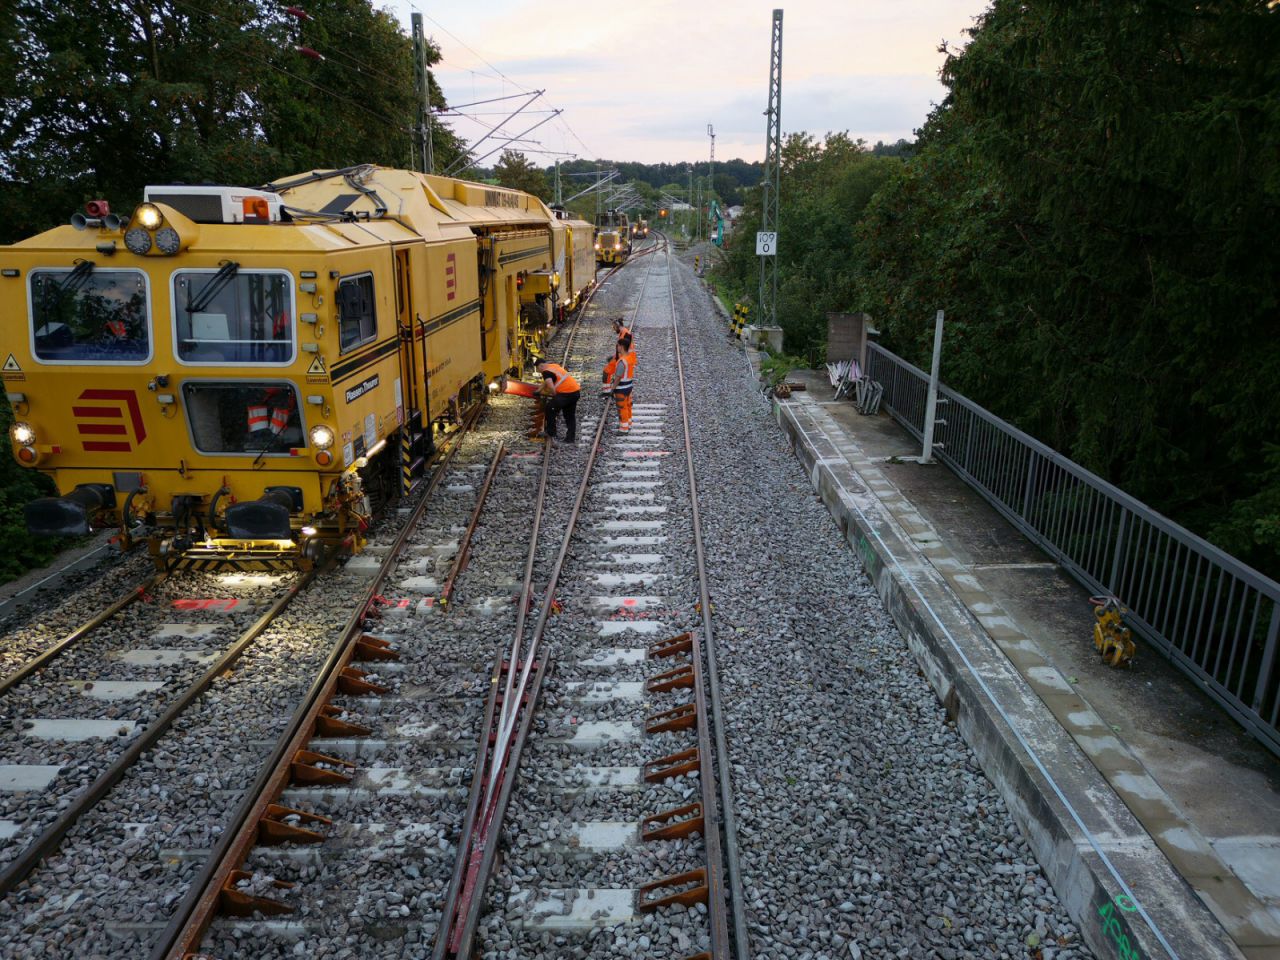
(629, 484)
(115, 689)
(631, 559)
(21, 777)
(604, 691)
(77, 730)
(626, 579)
(163, 658)
(388, 782)
(616, 657)
(597, 733)
(620, 525)
(626, 603)
(169, 630)
(574, 909)
(613, 628)
(611, 542)
(604, 834)
(631, 496)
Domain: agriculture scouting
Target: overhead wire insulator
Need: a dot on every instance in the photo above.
(310, 54)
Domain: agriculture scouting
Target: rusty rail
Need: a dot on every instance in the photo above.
(508, 715)
(464, 546)
(258, 817)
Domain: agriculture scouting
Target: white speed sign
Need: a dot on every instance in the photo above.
(766, 243)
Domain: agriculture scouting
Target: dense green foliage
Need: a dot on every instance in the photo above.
(1095, 205)
(826, 187)
(515, 170)
(103, 97)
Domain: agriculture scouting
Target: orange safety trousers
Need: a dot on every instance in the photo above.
(623, 400)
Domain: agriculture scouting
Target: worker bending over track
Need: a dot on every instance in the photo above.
(561, 392)
(619, 377)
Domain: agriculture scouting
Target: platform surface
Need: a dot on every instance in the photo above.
(1203, 790)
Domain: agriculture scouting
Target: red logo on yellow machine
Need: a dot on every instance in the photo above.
(112, 417)
(450, 277)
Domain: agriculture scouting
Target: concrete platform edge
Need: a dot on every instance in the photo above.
(1066, 846)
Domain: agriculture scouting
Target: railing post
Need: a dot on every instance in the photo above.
(1115, 561)
(931, 405)
(1031, 479)
(1268, 658)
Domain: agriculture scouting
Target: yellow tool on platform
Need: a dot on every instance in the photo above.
(1112, 639)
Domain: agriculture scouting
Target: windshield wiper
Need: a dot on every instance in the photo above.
(197, 300)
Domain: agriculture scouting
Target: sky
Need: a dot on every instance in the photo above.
(641, 79)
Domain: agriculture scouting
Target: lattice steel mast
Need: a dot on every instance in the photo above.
(422, 81)
(768, 306)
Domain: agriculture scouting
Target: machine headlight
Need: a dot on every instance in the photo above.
(618, 245)
(321, 437)
(148, 215)
(168, 241)
(22, 434)
(138, 241)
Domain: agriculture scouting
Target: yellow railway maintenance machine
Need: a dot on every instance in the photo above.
(252, 372)
(613, 238)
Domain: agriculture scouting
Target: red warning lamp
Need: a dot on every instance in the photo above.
(662, 213)
(256, 210)
(97, 208)
(520, 280)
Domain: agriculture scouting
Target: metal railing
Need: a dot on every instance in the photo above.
(1216, 618)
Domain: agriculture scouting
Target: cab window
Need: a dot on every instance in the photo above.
(253, 417)
(233, 316)
(82, 314)
(356, 316)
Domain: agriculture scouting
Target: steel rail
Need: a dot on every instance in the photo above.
(16, 870)
(70, 640)
(196, 912)
(446, 932)
(498, 754)
(728, 818)
(464, 546)
(509, 710)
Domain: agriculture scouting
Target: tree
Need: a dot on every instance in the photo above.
(1096, 205)
(110, 95)
(515, 170)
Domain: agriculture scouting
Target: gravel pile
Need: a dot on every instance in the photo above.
(866, 827)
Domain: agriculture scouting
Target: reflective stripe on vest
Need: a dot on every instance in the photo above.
(259, 417)
(626, 371)
(279, 419)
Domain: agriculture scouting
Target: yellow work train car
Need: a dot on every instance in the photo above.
(252, 371)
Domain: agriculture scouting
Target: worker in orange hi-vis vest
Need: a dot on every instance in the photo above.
(622, 330)
(564, 399)
(619, 378)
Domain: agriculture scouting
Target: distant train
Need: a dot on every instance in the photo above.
(613, 238)
(640, 229)
(247, 369)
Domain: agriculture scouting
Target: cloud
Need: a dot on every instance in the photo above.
(641, 81)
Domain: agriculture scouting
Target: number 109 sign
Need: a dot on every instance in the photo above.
(766, 243)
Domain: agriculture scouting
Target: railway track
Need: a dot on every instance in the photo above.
(386, 849)
(394, 767)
